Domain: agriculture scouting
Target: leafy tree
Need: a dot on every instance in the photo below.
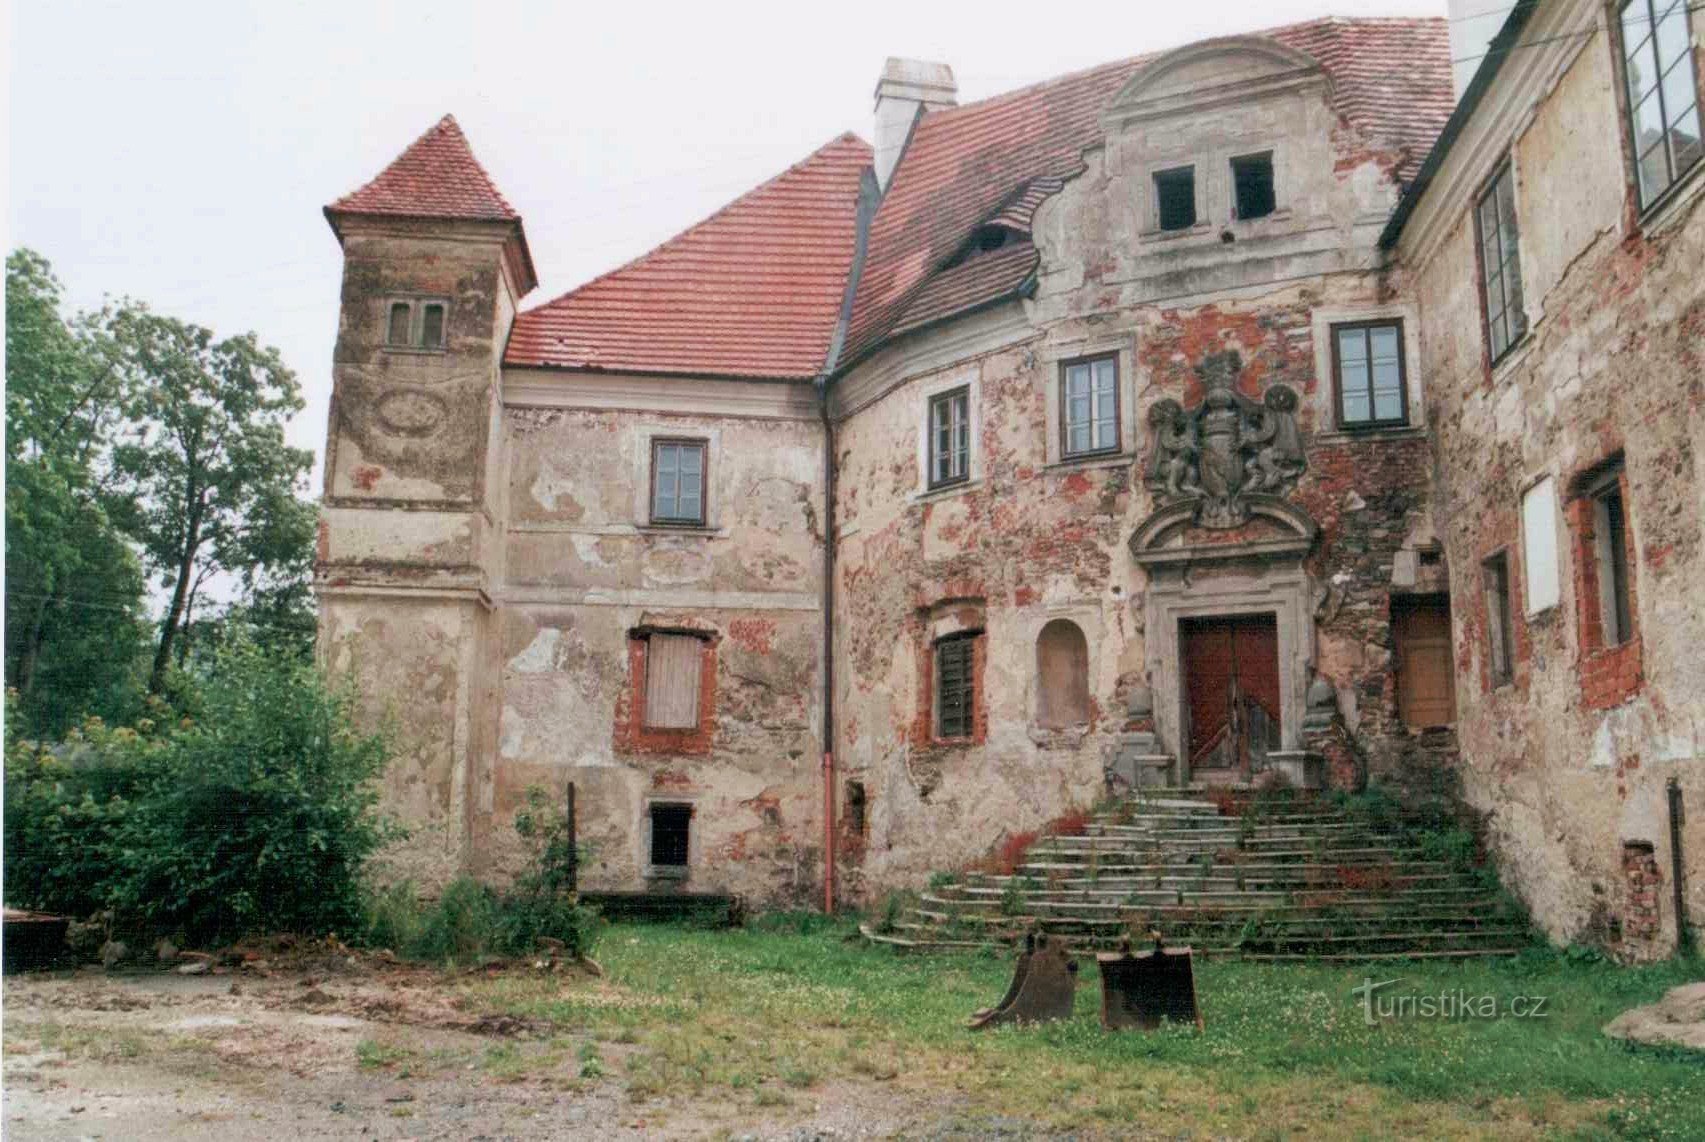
(74, 590)
(204, 482)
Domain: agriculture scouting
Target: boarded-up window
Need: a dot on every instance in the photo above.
(955, 702)
(1062, 675)
(672, 664)
(1539, 545)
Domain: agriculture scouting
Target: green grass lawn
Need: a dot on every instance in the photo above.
(1287, 1052)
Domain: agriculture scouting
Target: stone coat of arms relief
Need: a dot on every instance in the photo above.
(1225, 448)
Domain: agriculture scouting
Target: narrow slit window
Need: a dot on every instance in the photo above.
(1500, 264)
(1610, 539)
(1369, 368)
(955, 706)
(1089, 397)
(1252, 181)
(671, 835)
(1663, 94)
(1500, 632)
(1175, 198)
(678, 482)
(950, 437)
(673, 664)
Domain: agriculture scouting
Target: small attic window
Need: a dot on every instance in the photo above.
(1252, 176)
(1175, 198)
(986, 238)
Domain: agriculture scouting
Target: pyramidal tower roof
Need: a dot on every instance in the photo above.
(437, 176)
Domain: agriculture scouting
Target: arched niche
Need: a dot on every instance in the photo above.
(1062, 675)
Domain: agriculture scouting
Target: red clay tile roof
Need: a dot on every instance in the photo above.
(436, 177)
(755, 290)
(1391, 79)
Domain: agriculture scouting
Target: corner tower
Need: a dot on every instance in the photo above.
(435, 265)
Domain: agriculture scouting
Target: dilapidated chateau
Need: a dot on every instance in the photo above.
(1253, 412)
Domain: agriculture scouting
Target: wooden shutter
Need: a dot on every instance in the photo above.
(672, 681)
(955, 690)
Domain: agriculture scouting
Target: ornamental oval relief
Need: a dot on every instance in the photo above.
(411, 412)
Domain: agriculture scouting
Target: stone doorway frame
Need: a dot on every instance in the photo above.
(1256, 576)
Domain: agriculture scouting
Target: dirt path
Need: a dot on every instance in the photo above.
(354, 1050)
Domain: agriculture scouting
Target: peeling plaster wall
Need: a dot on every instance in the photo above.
(1613, 361)
(1031, 539)
(584, 569)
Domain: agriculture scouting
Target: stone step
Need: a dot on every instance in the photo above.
(1092, 898)
(1268, 941)
(1143, 864)
(1267, 926)
(1444, 908)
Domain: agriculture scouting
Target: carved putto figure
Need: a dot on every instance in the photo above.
(1227, 447)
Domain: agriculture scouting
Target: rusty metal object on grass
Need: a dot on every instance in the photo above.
(1141, 989)
(1044, 982)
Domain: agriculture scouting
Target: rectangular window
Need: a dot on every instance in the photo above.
(1539, 545)
(1175, 198)
(400, 327)
(1252, 180)
(1367, 360)
(1663, 93)
(1500, 263)
(1089, 406)
(955, 697)
(1610, 541)
(415, 325)
(432, 325)
(678, 482)
(672, 665)
(1500, 633)
(670, 835)
(950, 437)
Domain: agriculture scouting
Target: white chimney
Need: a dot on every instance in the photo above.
(1473, 23)
(905, 85)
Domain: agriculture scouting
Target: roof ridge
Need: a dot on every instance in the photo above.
(843, 138)
(1151, 56)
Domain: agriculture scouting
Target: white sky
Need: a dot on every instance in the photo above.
(180, 153)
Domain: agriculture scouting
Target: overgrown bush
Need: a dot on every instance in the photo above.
(257, 815)
(470, 921)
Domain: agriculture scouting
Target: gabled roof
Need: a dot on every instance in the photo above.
(1391, 79)
(437, 176)
(754, 291)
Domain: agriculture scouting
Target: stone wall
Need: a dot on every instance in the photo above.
(1570, 758)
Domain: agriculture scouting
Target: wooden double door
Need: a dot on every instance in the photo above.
(1231, 687)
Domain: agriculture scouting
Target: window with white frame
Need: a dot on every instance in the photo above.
(1500, 263)
(415, 323)
(1663, 93)
(1089, 406)
(950, 437)
(678, 482)
(1539, 545)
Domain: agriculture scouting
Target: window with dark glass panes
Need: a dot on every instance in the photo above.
(1368, 363)
(955, 702)
(677, 481)
(949, 437)
(1500, 263)
(1090, 399)
(670, 835)
(431, 325)
(398, 331)
(1663, 93)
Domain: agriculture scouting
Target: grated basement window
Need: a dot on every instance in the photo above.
(669, 835)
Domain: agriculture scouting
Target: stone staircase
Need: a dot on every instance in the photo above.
(1287, 882)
